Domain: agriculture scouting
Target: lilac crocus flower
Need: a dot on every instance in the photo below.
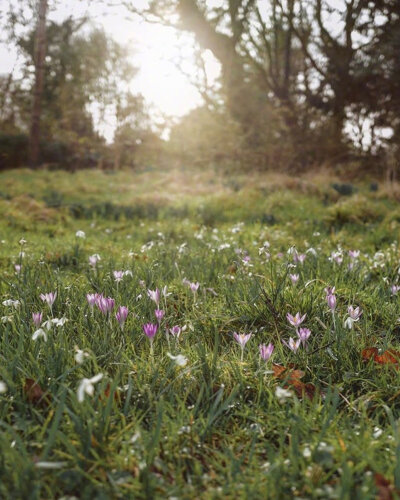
(395, 289)
(105, 304)
(118, 275)
(296, 320)
(92, 298)
(242, 339)
(17, 268)
(266, 351)
(37, 318)
(121, 315)
(329, 290)
(354, 315)
(155, 296)
(294, 278)
(303, 334)
(175, 331)
(331, 300)
(159, 314)
(293, 344)
(49, 298)
(194, 286)
(150, 331)
(354, 254)
(94, 259)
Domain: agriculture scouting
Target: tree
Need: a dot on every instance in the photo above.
(39, 58)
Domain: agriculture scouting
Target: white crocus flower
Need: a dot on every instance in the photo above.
(40, 333)
(80, 356)
(3, 387)
(12, 303)
(80, 234)
(86, 386)
(283, 394)
(180, 360)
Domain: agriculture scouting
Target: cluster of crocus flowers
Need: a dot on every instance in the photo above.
(49, 298)
(354, 314)
(303, 334)
(105, 304)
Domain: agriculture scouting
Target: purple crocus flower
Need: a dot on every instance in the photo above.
(331, 300)
(105, 304)
(242, 339)
(159, 314)
(150, 331)
(354, 315)
(354, 254)
(293, 344)
(194, 286)
(118, 275)
(303, 334)
(294, 278)
(296, 320)
(92, 298)
(37, 318)
(49, 298)
(155, 296)
(175, 331)
(121, 315)
(329, 290)
(395, 289)
(266, 351)
(354, 312)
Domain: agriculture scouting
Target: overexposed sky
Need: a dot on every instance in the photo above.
(156, 50)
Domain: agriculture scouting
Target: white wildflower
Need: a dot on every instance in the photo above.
(86, 386)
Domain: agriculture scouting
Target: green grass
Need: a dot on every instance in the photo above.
(215, 427)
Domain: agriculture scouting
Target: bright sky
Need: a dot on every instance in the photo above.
(155, 51)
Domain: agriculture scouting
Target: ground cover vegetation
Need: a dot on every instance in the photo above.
(176, 334)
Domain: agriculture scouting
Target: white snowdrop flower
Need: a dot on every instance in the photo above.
(22, 241)
(3, 387)
(128, 273)
(40, 333)
(6, 319)
(12, 303)
(47, 324)
(80, 355)
(86, 386)
(282, 394)
(377, 432)
(80, 234)
(312, 251)
(306, 452)
(59, 321)
(180, 360)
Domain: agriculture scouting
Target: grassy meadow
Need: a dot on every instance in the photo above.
(94, 407)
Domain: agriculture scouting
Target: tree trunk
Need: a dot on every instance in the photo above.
(39, 59)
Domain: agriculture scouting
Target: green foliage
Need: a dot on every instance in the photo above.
(214, 428)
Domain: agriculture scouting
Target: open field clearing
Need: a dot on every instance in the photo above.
(182, 334)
